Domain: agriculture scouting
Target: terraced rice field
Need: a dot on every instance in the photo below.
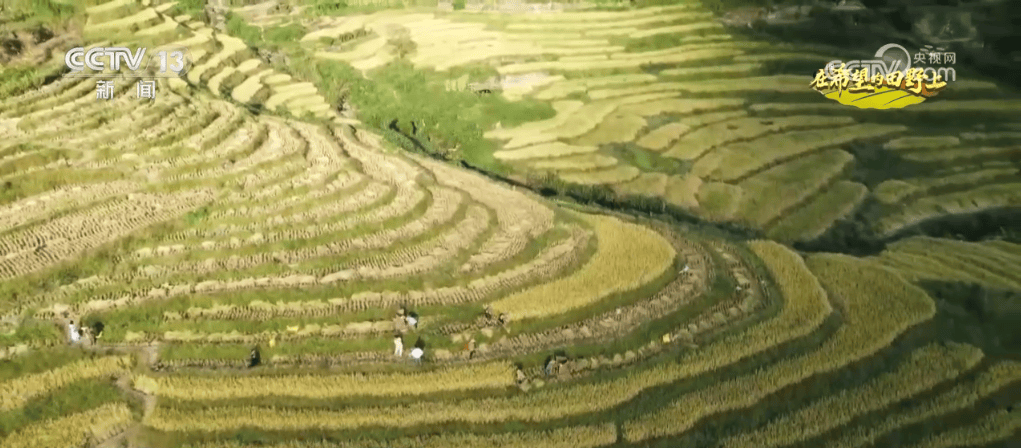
(717, 106)
(196, 230)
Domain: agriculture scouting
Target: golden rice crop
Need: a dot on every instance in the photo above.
(701, 140)
(142, 19)
(745, 157)
(16, 392)
(924, 369)
(777, 83)
(964, 179)
(616, 128)
(659, 138)
(589, 116)
(965, 395)
(552, 20)
(966, 257)
(578, 162)
(615, 175)
(544, 151)
(893, 191)
(628, 78)
(987, 253)
(773, 192)
(879, 306)
(634, 62)
(573, 437)
(634, 90)
(896, 190)
(702, 119)
(714, 70)
(650, 108)
(73, 430)
(975, 199)
(627, 257)
(719, 201)
(478, 376)
(916, 143)
(811, 220)
(969, 153)
(584, 57)
(929, 258)
(860, 279)
(803, 312)
(361, 51)
(999, 425)
(959, 106)
(915, 266)
(676, 29)
(623, 22)
(648, 184)
(683, 191)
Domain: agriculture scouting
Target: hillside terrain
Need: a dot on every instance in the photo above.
(615, 226)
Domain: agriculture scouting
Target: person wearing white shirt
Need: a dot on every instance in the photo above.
(412, 321)
(73, 332)
(398, 346)
(416, 354)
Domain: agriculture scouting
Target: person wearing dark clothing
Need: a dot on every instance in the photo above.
(254, 358)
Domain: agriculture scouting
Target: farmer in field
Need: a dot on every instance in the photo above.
(86, 335)
(72, 333)
(548, 367)
(412, 320)
(254, 358)
(398, 346)
(416, 354)
(97, 331)
(471, 348)
(488, 313)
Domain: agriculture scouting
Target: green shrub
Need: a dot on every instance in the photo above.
(17, 80)
(237, 27)
(329, 7)
(444, 119)
(192, 7)
(40, 11)
(284, 34)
